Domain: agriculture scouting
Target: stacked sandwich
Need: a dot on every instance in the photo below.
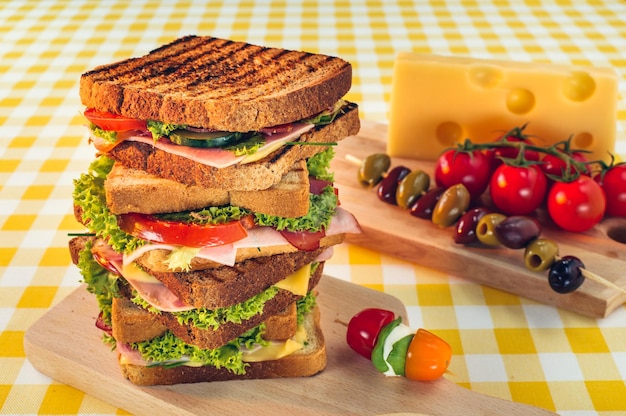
(210, 208)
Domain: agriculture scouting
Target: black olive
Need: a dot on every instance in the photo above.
(423, 207)
(566, 274)
(466, 227)
(389, 185)
(517, 231)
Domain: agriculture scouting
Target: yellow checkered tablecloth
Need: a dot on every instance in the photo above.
(504, 345)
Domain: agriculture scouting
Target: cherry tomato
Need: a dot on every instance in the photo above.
(614, 185)
(364, 327)
(578, 205)
(471, 169)
(555, 166)
(157, 230)
(113, 122)
(428, 356)
(518, 190)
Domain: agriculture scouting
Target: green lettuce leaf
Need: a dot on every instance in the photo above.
(305, 304)
(89, 196)
(319, 165)
(109, 136)
(159, 129)
(100, 282)
(207, 216)
(204, 318)
(168, 350)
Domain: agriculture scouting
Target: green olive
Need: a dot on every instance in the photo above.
(486, 229)
(451, 205)
(373, 168)
(411, 187)
(540, 254)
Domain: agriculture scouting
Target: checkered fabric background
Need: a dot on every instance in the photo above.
(503, 345)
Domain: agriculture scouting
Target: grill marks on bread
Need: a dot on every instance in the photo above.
(218, 83)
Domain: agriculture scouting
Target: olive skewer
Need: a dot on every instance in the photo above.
(566, 273)
(576, 276)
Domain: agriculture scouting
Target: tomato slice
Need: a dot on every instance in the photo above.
(157, 230)
(113, 122)
(428, 356)
(304, 240)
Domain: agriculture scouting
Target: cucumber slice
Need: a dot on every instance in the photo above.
(204, 139)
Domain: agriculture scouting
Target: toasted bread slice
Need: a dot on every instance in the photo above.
(131, 190)
(253, 176)
(218, 84)
(226, 286)
(308, 361)
(282, 325)
(132, 323)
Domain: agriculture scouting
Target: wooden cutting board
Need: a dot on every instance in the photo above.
(392, 230)
(65, 345)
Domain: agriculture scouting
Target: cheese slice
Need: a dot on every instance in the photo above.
(438, 101)
(297, 282)
(276, 349)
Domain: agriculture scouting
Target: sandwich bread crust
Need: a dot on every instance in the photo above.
(131, 190)
(132, 323)
(219, 84)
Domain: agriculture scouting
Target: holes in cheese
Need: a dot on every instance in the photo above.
(438, 101)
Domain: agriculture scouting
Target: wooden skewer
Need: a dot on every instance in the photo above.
(599, 279)
(586, 273)
(354, 160)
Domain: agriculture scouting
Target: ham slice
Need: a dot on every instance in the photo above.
(343, 222)
(215, 157)
(152, 290)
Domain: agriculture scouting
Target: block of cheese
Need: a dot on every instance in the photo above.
(438, 101)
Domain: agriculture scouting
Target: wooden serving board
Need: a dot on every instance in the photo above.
(65, 345)
(392, 230)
